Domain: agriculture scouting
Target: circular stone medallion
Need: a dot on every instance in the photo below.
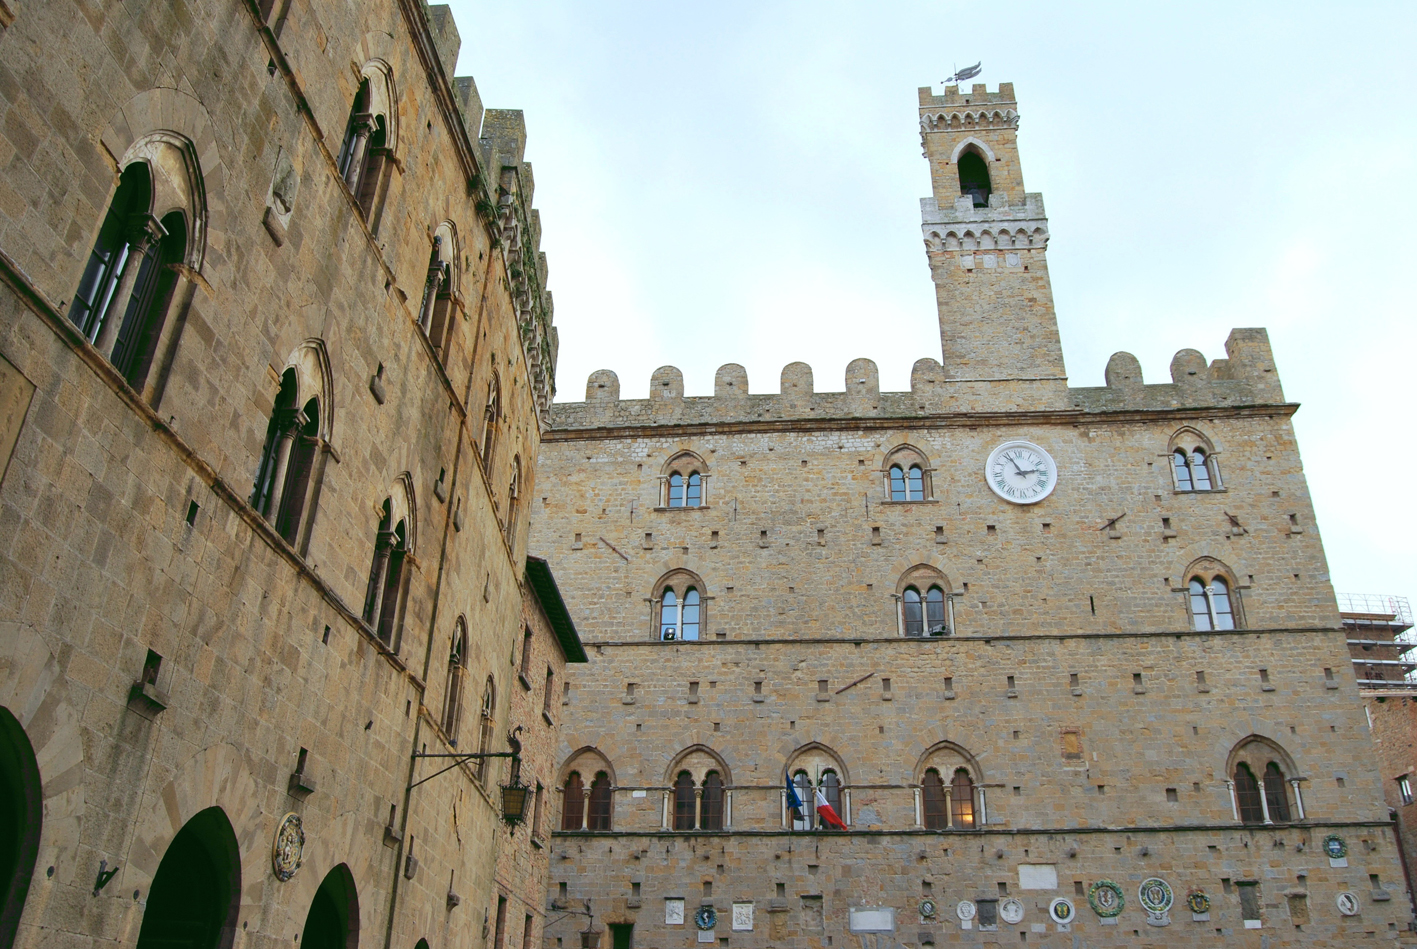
(288, 848)
(1061, 910)
(927, 909)
(705, 917)
(1011, 911)
(1348, 904)
(965, 910)
(1155, 896)
(1198, 902)
(1106, 899)
(1335, 847)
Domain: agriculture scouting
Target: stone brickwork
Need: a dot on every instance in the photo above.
(1101, 729)
(129, 533)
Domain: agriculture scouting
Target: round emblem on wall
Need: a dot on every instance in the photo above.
(1106, 899)
(288, 848)
(927, 909)
(1335, 847)
(1348, 904)
(1020, 472)
(705, 917)
(965, 910)
(1198, 902)
(1011, 911)
(1155, 896)
(1061, 910)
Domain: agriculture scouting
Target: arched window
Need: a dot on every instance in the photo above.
(437, 304)
(1210, 603)
(573, 803)
(669, 617)
(457, 671)
(683, 480)
(935, 622)
(365, 150)
(600, 801)
(686, 491)
(1260, 787)
(679, 605)
(914, 614)
(831, 790)
(491, 416)
(514, 489)
(381, 601)
(806, 818)
(1192, 469)
(932, 800)
(684, 801)
(195, 895)
(1275, 796)
(131, 276)
(1247, 795)
(974, 177)
(484, 737)
(287, 460)
(907, 475)
(962, 800)
(711, 817)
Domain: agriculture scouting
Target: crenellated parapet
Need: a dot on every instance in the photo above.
(1246, 376)
(502, 193)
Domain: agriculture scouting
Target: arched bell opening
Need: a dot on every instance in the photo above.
(196, 893)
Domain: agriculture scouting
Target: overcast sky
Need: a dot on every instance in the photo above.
(740, 182)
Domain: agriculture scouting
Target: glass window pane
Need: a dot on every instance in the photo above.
(599, 816)
(1200, 610)
(669, 616)
(1275, 794)
(962, 800)
(897, 483)
(1220, 600)
(831, 789)
(803, 785)
(935, 612)
(684, 801)
(932, 797)
(573, 803)
(1247, 795)
(914, 621)
(711, 816)
(917, 483)
(676, 490)
(1199, 471)
(695, 490)
(691, 614)
(1183, 470)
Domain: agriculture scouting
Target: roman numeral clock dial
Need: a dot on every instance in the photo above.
(1021, 472)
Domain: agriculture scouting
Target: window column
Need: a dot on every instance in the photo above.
(1234, 800)
(949, 807)
(144, 234)
(289, 422)
(698, 808)
(1264, 799)
(585, 806)
(919, 809)
(362, 126)
(982, 817)
(383, 544)
(1298, 797)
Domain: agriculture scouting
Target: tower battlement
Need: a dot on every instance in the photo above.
(979, 94)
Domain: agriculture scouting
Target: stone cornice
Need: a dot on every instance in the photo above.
(949, 420)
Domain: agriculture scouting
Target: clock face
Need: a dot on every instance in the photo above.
(1021, 472)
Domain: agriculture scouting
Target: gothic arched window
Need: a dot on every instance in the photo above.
(491, 415)
(484, 736)
(1261, 788)
(457, 672)
(684, 801)
(1247, 795)
(679, 604)
(600, 801)
(1211, 607)
(962, 800)
(711, 813)
(381, 601)
(1275, 796)
(932, 800)
(573, 803)
(287, 460)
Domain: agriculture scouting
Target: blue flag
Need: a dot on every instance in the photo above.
(794, 803)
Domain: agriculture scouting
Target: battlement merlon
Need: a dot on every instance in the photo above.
(978, 94)
(1244, 377)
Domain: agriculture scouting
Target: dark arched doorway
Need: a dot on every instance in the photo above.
(333, 920)
(21, 809)
(194, 897)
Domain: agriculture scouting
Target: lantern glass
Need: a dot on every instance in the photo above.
(514, 802)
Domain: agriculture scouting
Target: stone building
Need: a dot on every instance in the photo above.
(1059, 659)
(276, 355)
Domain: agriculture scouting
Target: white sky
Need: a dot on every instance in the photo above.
(740, 182)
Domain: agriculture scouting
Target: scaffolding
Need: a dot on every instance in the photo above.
(1380, 635)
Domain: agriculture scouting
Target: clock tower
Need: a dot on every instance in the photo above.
(987, 240)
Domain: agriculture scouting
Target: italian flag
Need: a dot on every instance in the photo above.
(826, 812)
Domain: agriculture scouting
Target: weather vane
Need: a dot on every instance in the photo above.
(969, 72)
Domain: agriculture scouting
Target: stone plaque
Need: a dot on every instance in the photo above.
(1037, 876)
(673, 912)
(742, 917)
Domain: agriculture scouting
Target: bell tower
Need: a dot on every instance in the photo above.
(987, 240)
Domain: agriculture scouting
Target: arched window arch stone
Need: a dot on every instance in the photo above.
(1263, 782)
(487, 719)
(457, 682)
(924, 602)
(292, 466)
(1193, 461)
(587, 765)
(441, 300)
(678, 607)
(370, 140)
(1212, 593)
(906, 475)
(693, 772)
(949, 789)
(816, 766)
(394, 541)
(683, 481)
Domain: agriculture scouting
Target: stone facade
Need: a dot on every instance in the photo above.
(334, 265)
(1098, 729)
